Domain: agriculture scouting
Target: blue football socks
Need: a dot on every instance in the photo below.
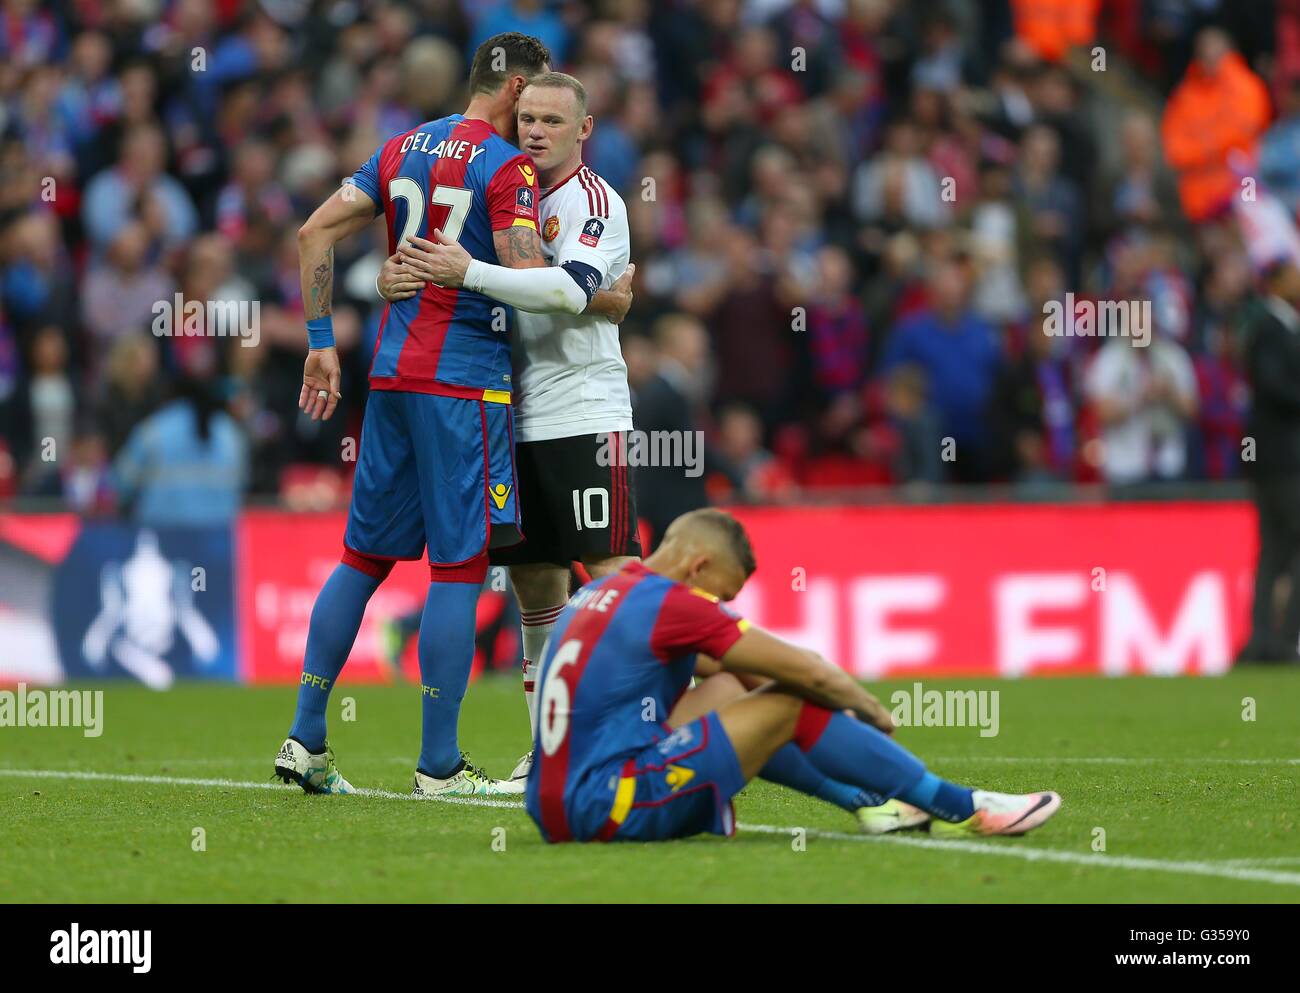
(446, 656)
(790, 767)
(335, 621)
(851, 751)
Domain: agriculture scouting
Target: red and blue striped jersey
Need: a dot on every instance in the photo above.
(461, 176)
(620, 657)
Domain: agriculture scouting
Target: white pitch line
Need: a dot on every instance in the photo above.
(1050, 855)
(117, 777)
(1220, 870)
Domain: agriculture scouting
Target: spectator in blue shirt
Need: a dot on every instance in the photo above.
(1279, 150)
(137, 186)
(185, 465)
(528, 17)
(960, 354)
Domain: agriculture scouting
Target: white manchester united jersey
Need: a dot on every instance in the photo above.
(569, 375)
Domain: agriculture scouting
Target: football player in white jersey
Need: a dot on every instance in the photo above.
(572, 408)
(572, 403)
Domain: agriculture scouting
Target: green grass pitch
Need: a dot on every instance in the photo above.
(1196, 804)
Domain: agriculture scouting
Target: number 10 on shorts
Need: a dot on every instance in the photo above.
(585, 508)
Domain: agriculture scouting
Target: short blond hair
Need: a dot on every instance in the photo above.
(562, 80)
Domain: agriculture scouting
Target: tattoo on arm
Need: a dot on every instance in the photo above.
(519, 248)
(322, 286)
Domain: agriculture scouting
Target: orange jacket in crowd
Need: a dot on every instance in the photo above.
(1053, 27)
(1209, 115)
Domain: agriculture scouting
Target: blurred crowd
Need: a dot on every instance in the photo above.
(848, 217)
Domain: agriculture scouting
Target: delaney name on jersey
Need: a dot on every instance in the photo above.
(446, 149)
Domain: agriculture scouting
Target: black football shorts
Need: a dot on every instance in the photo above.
(575, 498)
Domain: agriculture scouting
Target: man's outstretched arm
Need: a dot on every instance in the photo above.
(348, 211)
(524, 281)
(521, 248)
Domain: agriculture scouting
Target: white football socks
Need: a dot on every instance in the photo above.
(536, 627)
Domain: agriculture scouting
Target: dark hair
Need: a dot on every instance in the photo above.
(202, 400)
(524, 56)
(733, 532)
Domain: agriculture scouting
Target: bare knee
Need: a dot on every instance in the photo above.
(600, 568)
(711, 693)
(539, 586)
(759, 723)
(778, 711)
(787, 706)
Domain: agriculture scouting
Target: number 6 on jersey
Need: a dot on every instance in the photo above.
(554, 713)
